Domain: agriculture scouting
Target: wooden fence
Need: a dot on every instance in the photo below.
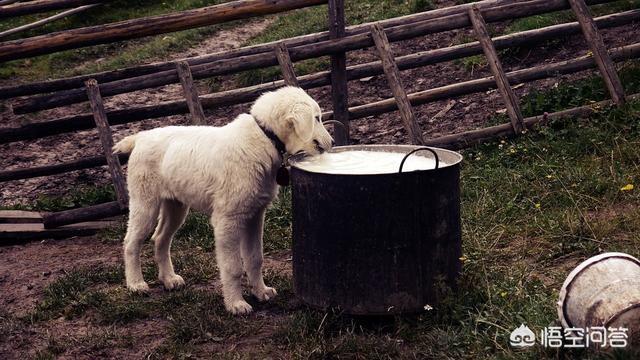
(336, 42)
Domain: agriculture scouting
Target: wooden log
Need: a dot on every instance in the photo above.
(46, 170)
(475, 137)
(508, 96)
(108, 76)
(152, 25)
(12, 234)
(47, 20)
(395, 83)
(7, 2)
(286, 66)
(339, 88)
(229, 66)
(190, 93)
(39, 6)
(106, 139)
(124, 116)
(73, 216)
(20, 217)
(594, 39)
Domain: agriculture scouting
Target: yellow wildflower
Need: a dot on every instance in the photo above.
(627, 187)
(538, 205)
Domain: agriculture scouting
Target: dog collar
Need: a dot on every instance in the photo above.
(282, 176)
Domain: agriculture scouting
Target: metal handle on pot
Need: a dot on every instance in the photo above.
(334, 123)
(435, 155)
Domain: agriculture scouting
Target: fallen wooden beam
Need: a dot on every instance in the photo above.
(152, 25)
(39, 6)
(47, 20)
(12, 234)
(237, 96)
(108, 76)
(19, 217)
(234, 65)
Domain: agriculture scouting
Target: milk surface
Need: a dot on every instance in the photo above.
(365, 162)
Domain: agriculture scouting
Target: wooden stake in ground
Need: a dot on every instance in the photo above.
(190, 93)
(288, 73)
(339, 90)
(594, 39)
(393, 77)
(97, 107)
(510, 100)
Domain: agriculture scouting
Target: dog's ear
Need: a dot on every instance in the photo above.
(302, 121)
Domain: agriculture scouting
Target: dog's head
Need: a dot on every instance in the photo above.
(295, 118)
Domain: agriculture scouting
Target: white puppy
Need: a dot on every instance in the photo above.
(228, 172)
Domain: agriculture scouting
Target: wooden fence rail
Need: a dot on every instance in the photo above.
(153, 25)
(233, 65)
(108, 76)
(39, 6)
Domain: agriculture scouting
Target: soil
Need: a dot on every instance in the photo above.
(26, 270)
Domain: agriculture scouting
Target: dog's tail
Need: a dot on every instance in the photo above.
(125, 145)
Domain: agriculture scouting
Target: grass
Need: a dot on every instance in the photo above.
(109, 56)
(532, 208)
(315, 20)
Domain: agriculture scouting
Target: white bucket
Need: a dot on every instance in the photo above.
(603, 291)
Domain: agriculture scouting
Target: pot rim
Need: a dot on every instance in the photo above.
(404, 149)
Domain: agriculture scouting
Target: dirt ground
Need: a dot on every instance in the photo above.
(25, 270)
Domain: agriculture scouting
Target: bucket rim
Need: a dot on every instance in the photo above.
(562, 300)
(401, 149)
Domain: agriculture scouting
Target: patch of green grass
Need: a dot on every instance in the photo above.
(85, 196)
(108, 56)
(314, 19)
(558, 17)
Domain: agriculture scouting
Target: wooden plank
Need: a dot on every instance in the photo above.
(125, 116)
(594, 39)
(286, 65)
(510, 100)
(108, 76)
(39, 6)
(339, 89)
(20, 217)
(190, 93)
(73, 216)
(11, 234)
(233, 65)
(146, 26)
(106, 139)
(61, 168)
(397, 88)
(47, 20)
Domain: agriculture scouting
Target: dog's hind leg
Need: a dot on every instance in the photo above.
(228, 231)
(172, 215)
(142, 217)
(252, 258)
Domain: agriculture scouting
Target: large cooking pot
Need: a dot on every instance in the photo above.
(377, 244)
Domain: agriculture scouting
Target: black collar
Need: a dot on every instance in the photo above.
(279, 145)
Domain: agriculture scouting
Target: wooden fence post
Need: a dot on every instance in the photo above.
(288, 73)
(393, 77)
(600, 53)
(339, 91)
(190, 93)
(510, 100)
(97, 107)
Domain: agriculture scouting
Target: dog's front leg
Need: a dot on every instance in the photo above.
(252, 258)
(228, 233)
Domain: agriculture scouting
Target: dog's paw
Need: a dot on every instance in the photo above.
(239, 307)
(172, 282)
(138, 287)
(264, 294)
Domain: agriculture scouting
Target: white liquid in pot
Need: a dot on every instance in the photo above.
(366, 162)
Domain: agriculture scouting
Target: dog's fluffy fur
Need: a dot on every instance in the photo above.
(228, 172)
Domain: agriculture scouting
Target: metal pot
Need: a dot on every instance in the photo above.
(377, 244)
